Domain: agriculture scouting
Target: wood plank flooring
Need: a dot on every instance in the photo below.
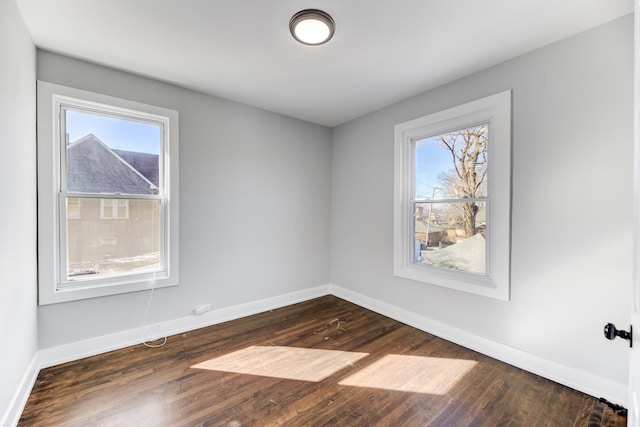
(405, 378)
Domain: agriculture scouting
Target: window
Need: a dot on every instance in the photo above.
(73, 208)
(452, 197)
(114, 209)
(107, 195)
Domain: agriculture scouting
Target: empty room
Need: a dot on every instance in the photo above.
(318, 213)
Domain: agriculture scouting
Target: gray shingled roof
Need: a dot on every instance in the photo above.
(93, 167)
(145, 163)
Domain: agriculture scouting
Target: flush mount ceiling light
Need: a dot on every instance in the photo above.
(312, 27)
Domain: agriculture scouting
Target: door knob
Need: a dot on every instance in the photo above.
(610, 333)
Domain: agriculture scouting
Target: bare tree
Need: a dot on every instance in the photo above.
(468, 178)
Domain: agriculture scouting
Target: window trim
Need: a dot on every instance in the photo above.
(496, 110)
(51, 242)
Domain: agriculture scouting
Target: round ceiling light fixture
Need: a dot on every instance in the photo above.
(312, 27)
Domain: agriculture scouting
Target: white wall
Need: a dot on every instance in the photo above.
(18, 334)
(571, 206)
(254, 206)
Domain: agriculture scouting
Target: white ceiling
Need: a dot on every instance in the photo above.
(383, 51)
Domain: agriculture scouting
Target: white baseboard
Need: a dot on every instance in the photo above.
(577, 379)
(77, 350)
(571, 377)
(12, 416)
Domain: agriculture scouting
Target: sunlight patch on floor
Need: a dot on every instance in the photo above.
(415, 374)
(293, 363)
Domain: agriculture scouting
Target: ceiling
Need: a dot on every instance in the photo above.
(382, 51)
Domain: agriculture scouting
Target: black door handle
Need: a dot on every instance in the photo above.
(610, 333)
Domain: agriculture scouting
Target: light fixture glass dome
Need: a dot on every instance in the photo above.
(312, 27)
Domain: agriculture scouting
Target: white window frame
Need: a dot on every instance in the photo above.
(496, 111)
(114, 209)
(52, 251)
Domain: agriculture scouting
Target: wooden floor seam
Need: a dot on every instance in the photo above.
(323, 362)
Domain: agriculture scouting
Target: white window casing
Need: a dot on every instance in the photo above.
(495, 110)
(54, 281)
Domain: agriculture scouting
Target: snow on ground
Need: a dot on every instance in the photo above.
(468, 255)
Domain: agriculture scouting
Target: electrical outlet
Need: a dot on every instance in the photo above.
(202, 308)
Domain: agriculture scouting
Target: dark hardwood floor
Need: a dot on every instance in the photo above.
(378, 372)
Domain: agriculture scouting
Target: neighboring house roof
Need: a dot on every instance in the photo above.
(145, 163)
(421, 227)
(94, 168)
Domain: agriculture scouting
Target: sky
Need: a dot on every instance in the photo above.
(431, 160)
(116, 133)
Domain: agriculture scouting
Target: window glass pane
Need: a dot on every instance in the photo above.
(107, 208)
(109, 154)
(114, 208)
(73, 208)
(101, 246)
(123, 209)
(451, 235)
(452, 165)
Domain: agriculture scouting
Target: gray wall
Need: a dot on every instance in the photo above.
(258, 192)
(571, 207)
(254, 206)
(18, 334)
